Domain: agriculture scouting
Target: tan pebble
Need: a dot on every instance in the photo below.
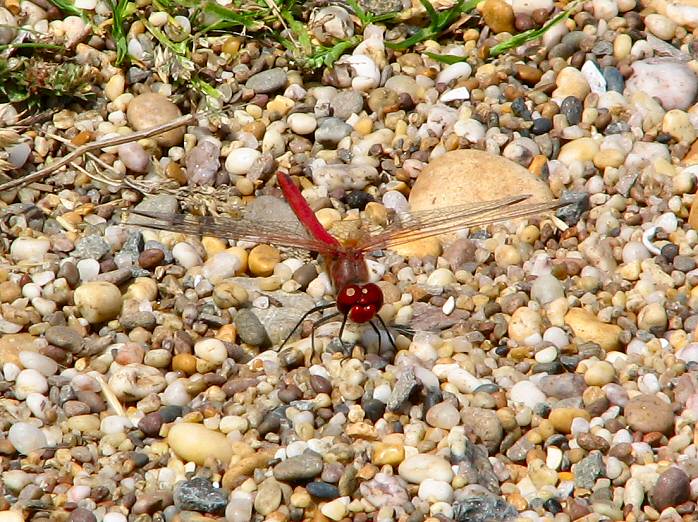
(376, 213)
(621, 46)
(364, 126)
(661, 26)
(242, 256)
(430, 246)
(115, 86)
(499, 16)
(84, 423)
(652, 316)
(361, 430)
(11, 516)
(263, 259)
(571, 82)
(151, 109)
(280, 105)
(524, 323)
(328, 217)
(693, 213)
(609, 158)
(185, 363)
(537, 165)
(213, 245)
(227, 333)
(561, 418)
(599, 373)
(142, 289)
(589, 328)
(581, 149)
(196, 443)
(98, 301)
(300, 498)
(269, 284)
(245, 467)
(389, 454)
(9, 291)
(507, 255)
(227, 294)
(677, 124)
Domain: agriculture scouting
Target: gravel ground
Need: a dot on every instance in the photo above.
(552, 373)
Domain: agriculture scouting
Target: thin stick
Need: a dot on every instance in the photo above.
(95, 145)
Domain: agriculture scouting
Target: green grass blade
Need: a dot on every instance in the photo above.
(531, 34)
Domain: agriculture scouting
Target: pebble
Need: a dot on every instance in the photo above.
(196, 443)
(150, 109)
(26, 438)
(589, 328)
(417, 468)
(268, 81)
(652, 78)
(98, 301)
(671, 489)
(240, 160)
(303, 467)
(268, 497)
(134, 157)
(443, 415)
(648, 413)
(198, 494)
(29, 249)
(203, 162)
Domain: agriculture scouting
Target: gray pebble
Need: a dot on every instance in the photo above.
(250, 329)
(346, 103)
(303, 467)
(331, 131)
(267, 81)
(64, 337)
(91, 247)
(198, 494)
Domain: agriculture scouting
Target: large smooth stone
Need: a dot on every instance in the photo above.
(460, 177)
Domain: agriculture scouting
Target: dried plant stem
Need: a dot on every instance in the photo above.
(89, 147)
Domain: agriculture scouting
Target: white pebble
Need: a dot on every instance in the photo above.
(546, 355)
(435, 491)
(186, 255)
(30, 381)
(29, 249)
(35, 361)
(547, 288)
(221, 266)
(454, 72)
(114, 517)
(527, 393)
(26, 438)
(302, 123)
(88, 269)
(176, 394)
(557, 336)
(211, 350)
(10, 371)
(240, 160)
(668, 222)
(31, 290)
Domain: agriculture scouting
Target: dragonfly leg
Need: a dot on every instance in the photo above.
(378, 333)
(385, 327)
(317, 324)
(341, 328)
(314, 309)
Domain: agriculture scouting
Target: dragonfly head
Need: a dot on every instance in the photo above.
(360, 302)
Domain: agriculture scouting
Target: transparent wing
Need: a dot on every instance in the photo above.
(277, 233)
(413, 226)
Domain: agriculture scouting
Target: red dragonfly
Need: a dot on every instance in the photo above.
(358, 299)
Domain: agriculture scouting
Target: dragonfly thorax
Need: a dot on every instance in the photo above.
(360, 303)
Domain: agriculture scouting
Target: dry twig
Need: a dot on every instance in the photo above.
(89, 147)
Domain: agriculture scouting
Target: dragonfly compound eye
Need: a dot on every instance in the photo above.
(360, 302)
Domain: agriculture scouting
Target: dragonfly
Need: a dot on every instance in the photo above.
(357, 299)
